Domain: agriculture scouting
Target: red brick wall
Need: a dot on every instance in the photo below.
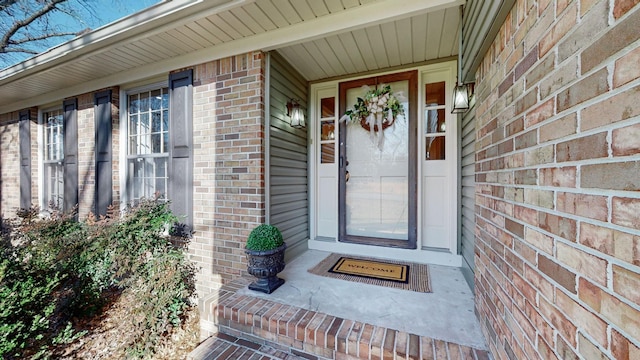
(558, 182)
(10, 163)
(228, 130)
(86, 155)
(86, 151)
(229, 195)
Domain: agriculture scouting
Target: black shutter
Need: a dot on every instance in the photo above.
(103, 126)
(25, 159)
(181, 147)
(70, 154)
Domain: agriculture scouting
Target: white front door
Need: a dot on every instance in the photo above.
(378, 177)
(401, 193)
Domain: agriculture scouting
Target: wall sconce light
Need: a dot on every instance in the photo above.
(295, 114)
(461, 95)
(462, 92)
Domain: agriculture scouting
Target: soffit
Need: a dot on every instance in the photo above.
(416, 39)
(320, 38)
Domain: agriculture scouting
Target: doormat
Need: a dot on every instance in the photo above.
(371, 269)
(394, 274)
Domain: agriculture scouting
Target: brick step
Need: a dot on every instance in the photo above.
(222, 346)
(315, 335)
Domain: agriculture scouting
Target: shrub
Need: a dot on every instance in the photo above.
(28, 280)
(26, 304)
(264, 237)
(56, 267)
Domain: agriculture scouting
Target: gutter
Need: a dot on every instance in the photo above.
(154, 19)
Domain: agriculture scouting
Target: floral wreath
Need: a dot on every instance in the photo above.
(376, 110)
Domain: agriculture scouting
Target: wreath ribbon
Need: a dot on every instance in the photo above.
(374, 104)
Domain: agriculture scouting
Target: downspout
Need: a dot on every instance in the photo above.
(267, 138)
(459, 77)
(459, 143)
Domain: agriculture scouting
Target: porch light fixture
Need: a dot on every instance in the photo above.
(461, 91)
(295, 114)
(460, 98)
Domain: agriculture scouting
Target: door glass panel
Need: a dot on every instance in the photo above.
(328, 106)
(435, 126)
(377, 190)
(435, 121)
(327, 153)
(435, 93)
(435, 148)
(327, 130)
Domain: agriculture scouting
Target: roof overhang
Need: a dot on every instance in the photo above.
(181, 33)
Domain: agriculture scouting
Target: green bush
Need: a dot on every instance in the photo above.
(55, 268)
(264, 237)
(26, 305)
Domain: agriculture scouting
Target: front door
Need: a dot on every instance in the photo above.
(377, 186)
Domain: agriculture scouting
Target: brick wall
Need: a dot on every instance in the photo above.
(229, 200)
(558, 182)
(9, 164)
(229, 194)
(86, 151)
(10, 161)
(86, 155)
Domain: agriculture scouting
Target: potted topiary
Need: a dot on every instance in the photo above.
(265, 255)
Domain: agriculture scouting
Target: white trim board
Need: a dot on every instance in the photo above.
(409, 255)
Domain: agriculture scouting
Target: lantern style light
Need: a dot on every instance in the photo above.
(460, 99)
(462, 92)
(295, 114)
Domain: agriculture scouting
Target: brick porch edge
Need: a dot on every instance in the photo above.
(317, 335)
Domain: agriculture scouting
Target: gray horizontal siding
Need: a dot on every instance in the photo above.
(288, 165)
(481, 22)
(467, 163)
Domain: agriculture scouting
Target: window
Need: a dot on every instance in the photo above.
(435, 125)
(148, 144)
(157, 137)
(54, 158)
(327, 130)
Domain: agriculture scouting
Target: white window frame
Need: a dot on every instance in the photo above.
(45, 163)
(126, 158)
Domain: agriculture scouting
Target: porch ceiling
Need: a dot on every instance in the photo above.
(321, 38)
(420, 38)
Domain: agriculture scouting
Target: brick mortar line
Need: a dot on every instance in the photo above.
(230, 304)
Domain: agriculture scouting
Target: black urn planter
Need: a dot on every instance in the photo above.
(265, 265)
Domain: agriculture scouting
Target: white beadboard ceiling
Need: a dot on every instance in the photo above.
(320, 38)
(401, 42)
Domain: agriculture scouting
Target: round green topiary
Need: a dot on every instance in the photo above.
(264, 237)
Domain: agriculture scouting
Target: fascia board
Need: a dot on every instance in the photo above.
(351, 19)
(147, 22)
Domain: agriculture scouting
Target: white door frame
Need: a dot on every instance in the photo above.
(326, 239)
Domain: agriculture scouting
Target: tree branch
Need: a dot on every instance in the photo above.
(7, 50)
(6, 3)
(23, 23)
(42, 37)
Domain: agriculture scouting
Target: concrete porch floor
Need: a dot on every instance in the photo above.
(447, 313)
